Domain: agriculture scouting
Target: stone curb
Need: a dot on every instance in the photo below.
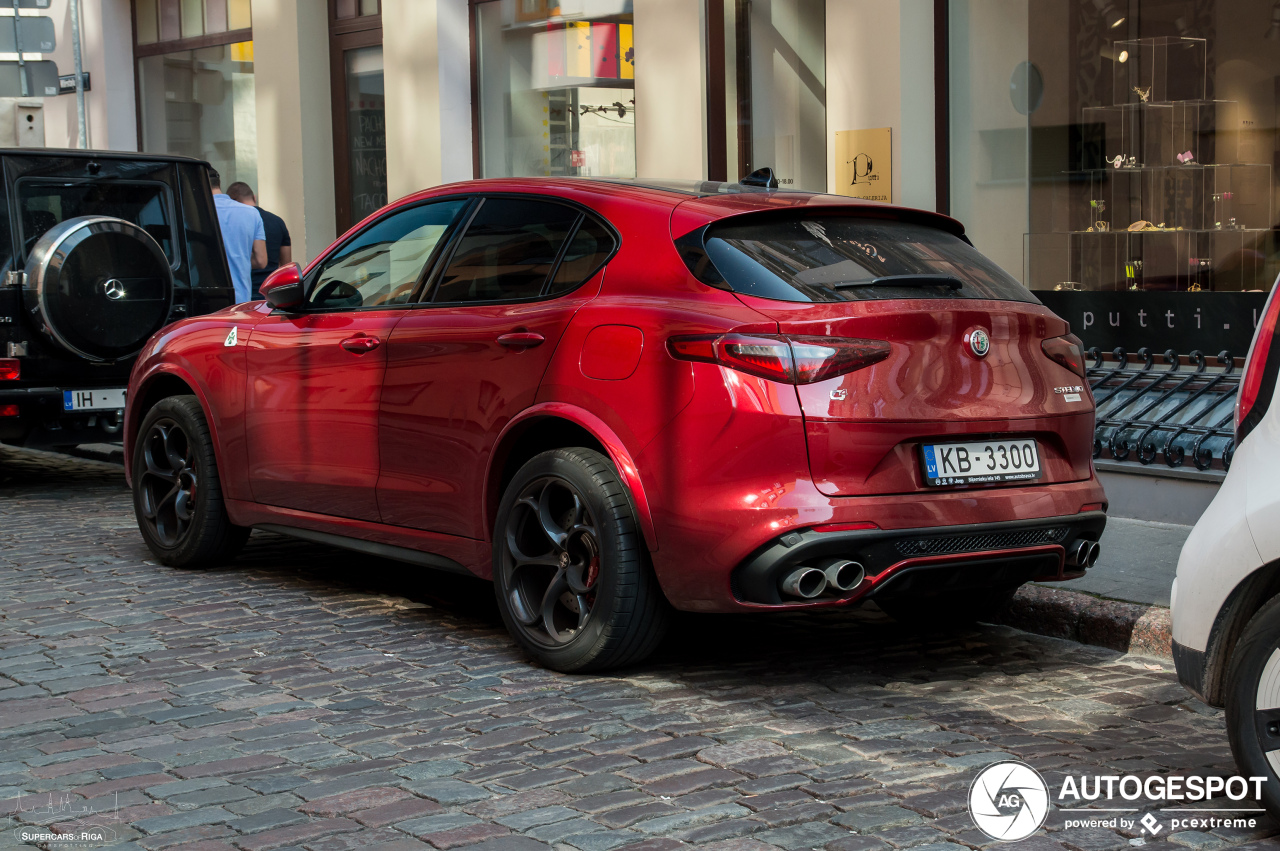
(1127, 627)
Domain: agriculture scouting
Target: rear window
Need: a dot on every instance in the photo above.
(44, 204)
(828, 259)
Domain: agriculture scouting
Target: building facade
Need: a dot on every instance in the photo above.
(1048, 127)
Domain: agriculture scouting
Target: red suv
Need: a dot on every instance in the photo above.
(613, 397)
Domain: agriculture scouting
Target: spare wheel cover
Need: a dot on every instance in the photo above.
(101, 286)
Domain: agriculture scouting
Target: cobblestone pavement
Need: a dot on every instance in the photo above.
(306, 698)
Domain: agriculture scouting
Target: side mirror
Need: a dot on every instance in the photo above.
(283, 287)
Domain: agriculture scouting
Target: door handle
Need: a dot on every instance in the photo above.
(360, 344)
(521, 340)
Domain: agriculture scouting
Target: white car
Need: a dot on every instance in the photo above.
(1226, 597)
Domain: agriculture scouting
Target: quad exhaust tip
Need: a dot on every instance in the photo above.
(1084, 553)
(832, 575)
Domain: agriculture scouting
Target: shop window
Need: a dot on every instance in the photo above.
(200, 103)
(357, 85)
(557, 94)
(1120, 159)
(344, 9)
(195, 83)
(778, 88)
(174, 20)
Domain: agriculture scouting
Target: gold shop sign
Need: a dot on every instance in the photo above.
(864, 164)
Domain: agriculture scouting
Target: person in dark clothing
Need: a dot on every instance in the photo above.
(279, 246)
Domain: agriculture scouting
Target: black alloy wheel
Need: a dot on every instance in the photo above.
(570, 568)
(177, 496)
(168, 481)
(552, 563)
(1253, 702)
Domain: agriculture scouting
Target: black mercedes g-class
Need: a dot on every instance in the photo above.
(98, 251)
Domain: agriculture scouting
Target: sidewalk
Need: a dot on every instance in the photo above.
(1137, 564)
(1123, 601)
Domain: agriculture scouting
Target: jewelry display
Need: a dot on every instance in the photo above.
(1158, 218)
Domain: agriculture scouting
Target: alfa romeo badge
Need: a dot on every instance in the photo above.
(979, 342)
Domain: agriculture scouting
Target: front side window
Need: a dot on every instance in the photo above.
(382, 265)
(46, 203)
(508, 251)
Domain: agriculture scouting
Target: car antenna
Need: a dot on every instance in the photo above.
(762, 177)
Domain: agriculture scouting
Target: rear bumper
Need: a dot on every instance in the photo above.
(928, 561)
(718, 556)
(42, 423)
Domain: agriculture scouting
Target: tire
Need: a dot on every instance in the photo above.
(566, 522)
(947, 612)
(1253, 680)
(177, 496)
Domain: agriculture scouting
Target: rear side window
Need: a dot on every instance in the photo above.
(507, 252)
(44, 204)
(845, 258)
(587, 252)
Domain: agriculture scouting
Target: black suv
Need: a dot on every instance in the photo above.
(98, 251)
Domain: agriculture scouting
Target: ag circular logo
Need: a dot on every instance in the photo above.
(1008, 801)
(979, 342)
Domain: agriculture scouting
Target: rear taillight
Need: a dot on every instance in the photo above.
(8, 410)
(794, 360)
(1066, 351)
(1259, 381)
(10, 369)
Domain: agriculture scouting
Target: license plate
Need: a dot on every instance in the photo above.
(102, 399)
(984, 462)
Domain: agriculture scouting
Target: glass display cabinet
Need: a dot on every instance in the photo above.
(1169, 207)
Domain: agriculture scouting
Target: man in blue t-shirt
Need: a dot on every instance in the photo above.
(243, 237)
(279, 245)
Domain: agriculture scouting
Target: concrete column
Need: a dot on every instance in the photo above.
(294, 115)
(427, 56)
(113, 116)
(671, 115)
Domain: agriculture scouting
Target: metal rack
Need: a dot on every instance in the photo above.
(1149, 411)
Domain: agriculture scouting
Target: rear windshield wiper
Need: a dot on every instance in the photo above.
(948, 281)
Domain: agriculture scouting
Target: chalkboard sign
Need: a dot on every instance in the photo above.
(367, 142)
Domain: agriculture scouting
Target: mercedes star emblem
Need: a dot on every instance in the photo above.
(113, 289)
